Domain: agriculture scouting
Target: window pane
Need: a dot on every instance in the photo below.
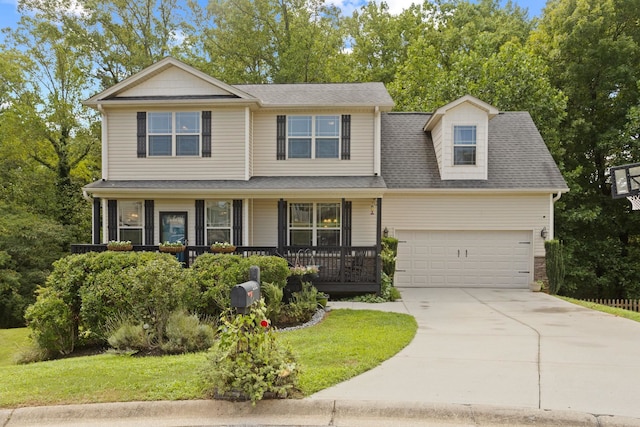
(301, 215)
(134, 235)
(464, 155)
(464, 135)
(327, 126)
(328, 237)
(328, 215)
(130, 214)
(187, 122)
(327, 148)
(160, 145)
(301, 238)
(219, 213)
(299, 126)
(187, 145)
(218, 235)
(159, 122)
(299, 148)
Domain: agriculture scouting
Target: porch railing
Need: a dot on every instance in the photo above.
(345, 269)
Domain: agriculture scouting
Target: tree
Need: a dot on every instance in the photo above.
(592, 50)
(262, 41)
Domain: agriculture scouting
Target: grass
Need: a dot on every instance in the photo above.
(345, 344)
(11, 342)
(627, 314)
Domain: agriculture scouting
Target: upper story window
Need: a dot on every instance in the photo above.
(219, 221)
(464, 145)
(174, 134)
(314, 224)
(130, 217)
(313, 137)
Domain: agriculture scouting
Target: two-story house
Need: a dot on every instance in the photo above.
(318, 173)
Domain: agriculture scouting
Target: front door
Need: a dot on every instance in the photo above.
(173, 227)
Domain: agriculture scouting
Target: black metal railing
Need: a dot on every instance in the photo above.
(344, 269)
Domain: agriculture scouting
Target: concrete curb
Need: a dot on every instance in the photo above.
(341, 413)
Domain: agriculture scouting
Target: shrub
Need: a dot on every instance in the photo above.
(51, 323)
(554, 265)
(248, 362)
(388, 255)
(186, 333)
(130, 336)
(302, 307)
(387, 292)
(272, 295)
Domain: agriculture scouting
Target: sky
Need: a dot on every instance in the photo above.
(9, 14)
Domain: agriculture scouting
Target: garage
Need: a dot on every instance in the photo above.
(492, 259)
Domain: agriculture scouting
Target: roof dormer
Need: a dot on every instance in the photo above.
(459, 131)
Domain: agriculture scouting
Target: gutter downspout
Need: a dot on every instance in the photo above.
(554, 199)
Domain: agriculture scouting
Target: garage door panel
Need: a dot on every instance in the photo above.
(464, 258)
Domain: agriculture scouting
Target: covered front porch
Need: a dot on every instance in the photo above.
(342, 270)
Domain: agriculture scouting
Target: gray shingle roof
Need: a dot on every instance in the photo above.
(255, 183)
(320, 94)
(518, 157)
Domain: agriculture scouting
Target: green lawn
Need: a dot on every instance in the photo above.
(11, 342)
(345, 344)
(627, 314)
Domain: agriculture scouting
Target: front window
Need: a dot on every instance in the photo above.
(174, 134)
(464, 145)
(314, 224)
(130, 221)
(219, 221)
(313, 137)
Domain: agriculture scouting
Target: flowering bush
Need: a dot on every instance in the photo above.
(247, 361)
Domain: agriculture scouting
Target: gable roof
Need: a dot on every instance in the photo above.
(112, 94)
(321, 95)
(467, 99)
(518, 157)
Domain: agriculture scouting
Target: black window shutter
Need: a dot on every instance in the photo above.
(282, 224)
(281, 140)
(346, 137)
(149, 216)
(96, 221)
(237, 222)
(206, 134)
(199, 222)
(142, 134)
(112, 219)
(346, 223)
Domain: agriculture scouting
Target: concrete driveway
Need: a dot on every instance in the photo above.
(506, 348)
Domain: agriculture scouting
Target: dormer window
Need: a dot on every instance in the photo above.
(464, 145)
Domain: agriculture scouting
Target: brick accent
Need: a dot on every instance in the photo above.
(539, 268)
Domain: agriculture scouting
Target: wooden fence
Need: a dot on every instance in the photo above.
(627, 304)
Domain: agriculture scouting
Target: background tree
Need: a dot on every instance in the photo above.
(592, 51)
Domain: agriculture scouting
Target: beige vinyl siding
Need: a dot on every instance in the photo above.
(463, 115)
(436, 137)
(265, 221)
(227, 159)
(175, 206)
(174, 82)
(362, 148)
(468, 212)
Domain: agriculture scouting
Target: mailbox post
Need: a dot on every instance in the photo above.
(244, 295)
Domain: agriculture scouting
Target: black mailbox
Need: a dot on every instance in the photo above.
(244, 295)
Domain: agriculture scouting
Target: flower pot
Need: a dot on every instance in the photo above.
(171, 249)
(225, 250)
(535, 286)
(124, 248)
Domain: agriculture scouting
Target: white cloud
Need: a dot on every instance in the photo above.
(348, 6)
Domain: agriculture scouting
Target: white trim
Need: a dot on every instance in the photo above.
(105, 141)
(377, 164)
(478, 103)
(105, 220)
(245, 221)
(247, 144)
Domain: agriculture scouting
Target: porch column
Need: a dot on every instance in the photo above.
(282, 225)
(379, 244)
(96, 238)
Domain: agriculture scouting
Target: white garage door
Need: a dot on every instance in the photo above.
(490, 259)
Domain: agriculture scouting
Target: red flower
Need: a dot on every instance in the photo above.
(264, 323)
